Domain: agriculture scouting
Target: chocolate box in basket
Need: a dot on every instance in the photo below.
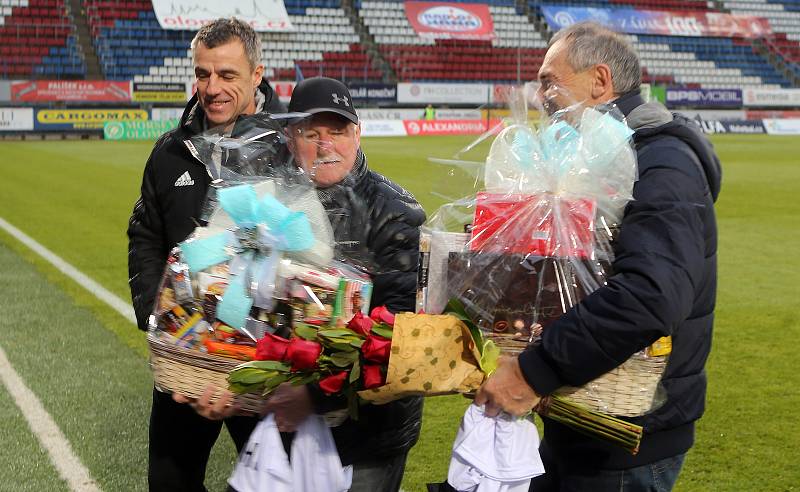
(510, 293)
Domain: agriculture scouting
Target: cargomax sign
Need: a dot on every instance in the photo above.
(84, 119)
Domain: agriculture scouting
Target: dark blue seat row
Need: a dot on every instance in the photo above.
(725, 53)
(788, 5)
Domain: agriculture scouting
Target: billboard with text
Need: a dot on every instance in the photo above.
(191, 15)
(704, 98)
(16, 119)
(70, 90)
(450, 20)
(664, 22)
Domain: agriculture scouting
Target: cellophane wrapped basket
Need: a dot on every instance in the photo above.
(262, 262)
(537, 239)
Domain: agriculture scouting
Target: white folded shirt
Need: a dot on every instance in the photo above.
(494, 454)
(315, 466)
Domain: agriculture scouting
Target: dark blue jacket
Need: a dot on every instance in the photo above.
(664, 283)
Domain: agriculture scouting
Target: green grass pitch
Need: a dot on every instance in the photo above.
(88, 366)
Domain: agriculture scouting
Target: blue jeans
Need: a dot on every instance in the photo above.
(654, 477)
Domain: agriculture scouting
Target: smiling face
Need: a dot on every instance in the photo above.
(226, 83)
(326, 147)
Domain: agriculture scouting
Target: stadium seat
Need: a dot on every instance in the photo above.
(37, 38)
(516, 51)
(131, 32)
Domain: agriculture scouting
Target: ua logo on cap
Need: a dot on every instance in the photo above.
(339, 99)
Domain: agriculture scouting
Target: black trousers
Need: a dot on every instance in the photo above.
(181, 441)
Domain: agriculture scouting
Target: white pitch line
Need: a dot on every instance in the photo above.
(41, 423)
(70, 271)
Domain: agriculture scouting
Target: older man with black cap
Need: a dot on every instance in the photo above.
(376, 225)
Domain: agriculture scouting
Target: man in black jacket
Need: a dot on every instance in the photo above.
(376, 224)
(663, 282)
(227, 61)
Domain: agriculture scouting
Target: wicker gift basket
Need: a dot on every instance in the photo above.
(190, 372)
(628, 390)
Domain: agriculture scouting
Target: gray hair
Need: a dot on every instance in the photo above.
(589, 44)
(223, 31)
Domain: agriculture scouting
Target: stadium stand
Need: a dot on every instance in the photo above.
(132, 45)
(784, 18)
(37, 39)
(707, 62)
(372, 40)
(515, 54)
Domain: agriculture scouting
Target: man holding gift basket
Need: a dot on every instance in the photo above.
(663, 281)
(227, 61)
(376, 225)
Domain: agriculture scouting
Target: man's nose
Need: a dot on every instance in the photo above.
(324, 145)
(214, 86)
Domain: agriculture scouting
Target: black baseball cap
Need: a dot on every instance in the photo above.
(322, 94)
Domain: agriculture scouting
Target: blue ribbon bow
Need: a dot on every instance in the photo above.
(265, 228)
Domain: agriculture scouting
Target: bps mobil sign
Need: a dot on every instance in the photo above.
(442, 20)
(84, 119)
(704, 98)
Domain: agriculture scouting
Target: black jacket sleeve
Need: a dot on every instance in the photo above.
(659, 261)
(147, 248)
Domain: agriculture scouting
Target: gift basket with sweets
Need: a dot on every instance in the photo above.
(262, 264)
(539, 238)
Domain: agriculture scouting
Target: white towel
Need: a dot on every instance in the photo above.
(264, 467)
(494, 454)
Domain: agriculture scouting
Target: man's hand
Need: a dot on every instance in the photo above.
(506, 390)
(222, 408)
(291, 406)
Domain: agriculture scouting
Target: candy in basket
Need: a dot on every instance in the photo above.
(261, 264)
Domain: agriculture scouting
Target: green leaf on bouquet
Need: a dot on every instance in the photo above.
(325, 339)
(305, 379)
(382, 330)
(306, 332)
(456, 308)
(344, 359)
(255, 376)
(247, 375)
(355, 372)
(489, 356)
(357, 343)
(273, 382)
(337, 333)
(342, 347)
(267, 365)
(240, 388)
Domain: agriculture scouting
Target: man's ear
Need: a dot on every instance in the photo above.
(258, 74)
(358, 134)
(602, 83)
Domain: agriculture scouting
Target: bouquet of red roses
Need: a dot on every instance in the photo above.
(384, 357)
(379, 358)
